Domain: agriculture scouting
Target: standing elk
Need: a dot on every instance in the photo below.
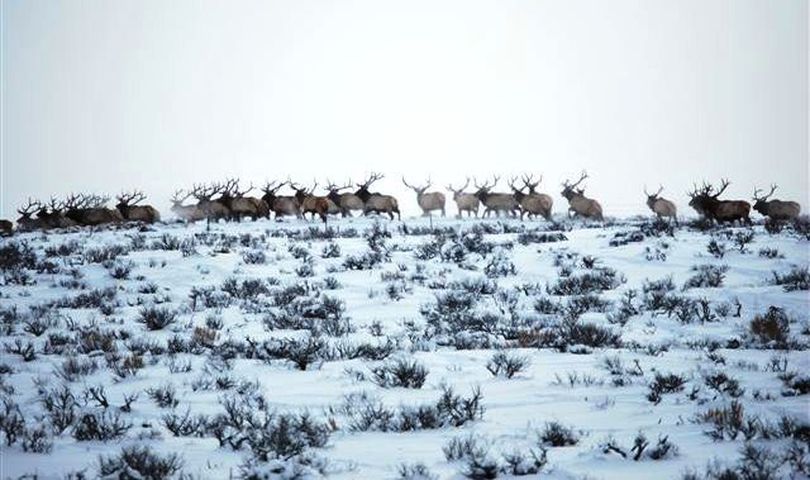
(212, 209)
(90, 210)
(281, 205)
(578, 203)
(705, 202)
(132, 212)
(239, 205)
(310, 203)
(346, 203)
(497, 202)
(661, 207)
(187, 213)
(25, 223)
(465, 202)
(374, 202)
(427, 201)
(531, 203)
(6, 228)
(775, 209)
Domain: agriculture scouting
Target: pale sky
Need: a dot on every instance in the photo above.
(102, 95)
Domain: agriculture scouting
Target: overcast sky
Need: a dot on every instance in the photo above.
(102, 95)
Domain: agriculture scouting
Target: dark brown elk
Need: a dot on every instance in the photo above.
(495, 202)
(212, 209)
(427, 201)
(465, 202)
(346, 203)
(91, 210)
(239, 205)
(187, 213)
(6, 228)
(312, 204)
(531, 203)
(578, 203)
(280, 205)
(705, 201)
(775, 209)
(374, 202)
(661, 207)
(53, 216)
(132, 212)
(25, 223)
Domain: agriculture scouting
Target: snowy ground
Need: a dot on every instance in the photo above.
(274, 321)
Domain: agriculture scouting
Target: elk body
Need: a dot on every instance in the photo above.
(187, 213)
(578, 203)
(496, 202)
(211, 209)
(6, 228)
(310, 203)
(280, 205)
(532, 203)
(705, 201)
(661, 207)
(465, 202)
(90, 210)
(775, 209)
(345, 203)
(427, 201)
(53, 216)
(132, 212)
(374, 202)
(239, 205)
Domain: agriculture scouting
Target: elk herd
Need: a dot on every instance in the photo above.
(226, 200)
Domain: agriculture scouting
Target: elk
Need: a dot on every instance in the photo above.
(240, 206)
(281, 205)
(345, 202)
(775, 209)
(374, 202)
(497, 202)
(427, 201)
(25, 223)
(187, 213)
(310, 203)
(132, 212)
(661, 207)
(465, 202)
(532, 202)
(578, 203)
(705, 202)
(90, 210)
(54, 215)
(6, 228)
(212, 209)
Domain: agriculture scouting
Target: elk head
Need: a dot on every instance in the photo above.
(760, 203)
(652, 198)
(516, 191)
(28, 209)
(530, 184)
(482, 191)
(126, 200)
(334, 190)
(270, 189)
(458, 191)
(362, 190)
(570, 191)
(301, 192)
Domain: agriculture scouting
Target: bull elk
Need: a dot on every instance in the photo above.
(91, 210)
(497, 202)
(465, 202)
(239, 205)
(775, 209)
(661, 207)
(25, 223)
(132, 212)
(212, 209)
(374, 202)
(531, 203)
(53, 216)
(187, 213)
(346, 203)
(427, 201)
(705, 201)
(578, 203)
(310, 203)
(281, 205)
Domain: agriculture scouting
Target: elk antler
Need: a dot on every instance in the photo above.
(458, 190)
(373, 177)
(724, 183)
(29, 208)
(178, 197)
(133, 198)
(763, 198)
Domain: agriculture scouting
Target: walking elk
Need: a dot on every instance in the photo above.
(310, 203)
(531, 203)
(90, 210)
(211, 209)
(131, 211)
(376, 202)
(239, 205)
(578, 203)
(465, 202)
(281, 205)
(705, 201)
(187, 213)
(661, 207)
(775, 209)
(427, 201)
(497, 202)
(346, 203)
